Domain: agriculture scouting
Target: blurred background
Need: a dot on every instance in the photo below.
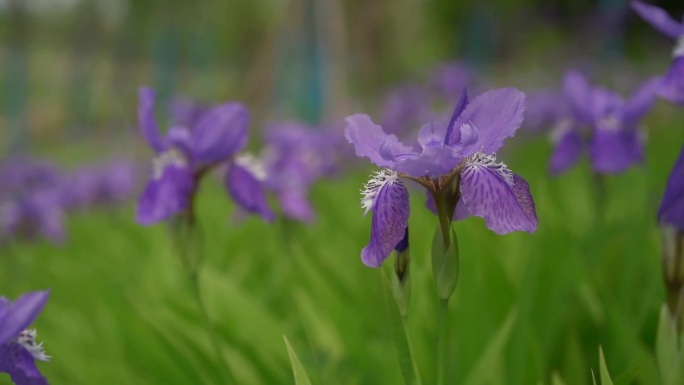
(528, 309)
(71, 68)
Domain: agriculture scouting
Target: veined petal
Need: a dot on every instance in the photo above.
(568, 147)
(672, 86)
(658, 19)
(16, 361)
(21, 313)
(671, 209)
(246, 186)
(166, 194)
(491, 191)
(147, 121)
(435, 159)
(615, 151)
(388, 198)
(219, 133)
(496, 114)
(367, 137)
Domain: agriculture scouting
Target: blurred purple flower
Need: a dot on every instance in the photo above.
(450, 78)
(671, 211)
(18, 347)
(615, 140)
(37, 214)
(295, 156)
(19, 175)
(545, 108)
(672, 86)
(106, 184)
(404, 108)
(186, 112)
(186, 153)
(462, 151)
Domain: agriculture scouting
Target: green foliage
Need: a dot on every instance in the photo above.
(529, 308)
(300, 376)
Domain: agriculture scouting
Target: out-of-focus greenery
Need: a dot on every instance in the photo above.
(528, 308)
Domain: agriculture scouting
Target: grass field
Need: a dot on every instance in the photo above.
(529, 308)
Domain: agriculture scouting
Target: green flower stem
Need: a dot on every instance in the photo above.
(441, 339)
(190, 249)
(445, 226)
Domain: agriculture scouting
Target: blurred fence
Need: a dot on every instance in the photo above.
(71, 68)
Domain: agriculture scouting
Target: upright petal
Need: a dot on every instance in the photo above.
(659, 19)
(367, 137)
(147, 121)
(21, 313)
(568, 147)
(489, 190)
(615, 151)
(641, 101)
(458, 110)
(579, 96)
(497, 114)
(219, 133)
(166, 195)
(672, 86)
(247, 190)
(390, 206)
(671, 209)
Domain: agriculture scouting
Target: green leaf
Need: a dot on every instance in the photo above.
(300, 376)
(603, 369)
(407, 364)
(556, 379)
(490, 365)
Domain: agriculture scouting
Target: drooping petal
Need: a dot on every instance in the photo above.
(671, 209)
(658, 18)
(615, 151)
(247, 190)
(295, 204)
(147, 121)
(568, 148)
(579, 96)
(641, 101)
(16, 361)
(489, 190)
(497, 114)
(390, 205)
(367, 137)
(219, 133)
(21, 313)
(166, 194)
(672, 86)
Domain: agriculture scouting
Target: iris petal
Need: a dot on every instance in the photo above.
(566, 152)
(219, 133)
(615, 151)
(671, 209)
(21, 313)
(367, 137)
(248, 191)
(658, 19)
(147, 121)
(504, 201)
(390, 219)
(166, 195)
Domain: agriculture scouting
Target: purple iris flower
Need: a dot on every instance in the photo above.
(19, 175)
(545, 108)
(18, 347)
(457, 158)
(186, 112)
(188, 152)
(297, 155)
(672, 86)
(37, 214)
(614, 139)
(671, 211)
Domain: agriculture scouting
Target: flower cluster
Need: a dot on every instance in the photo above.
(455, 161)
